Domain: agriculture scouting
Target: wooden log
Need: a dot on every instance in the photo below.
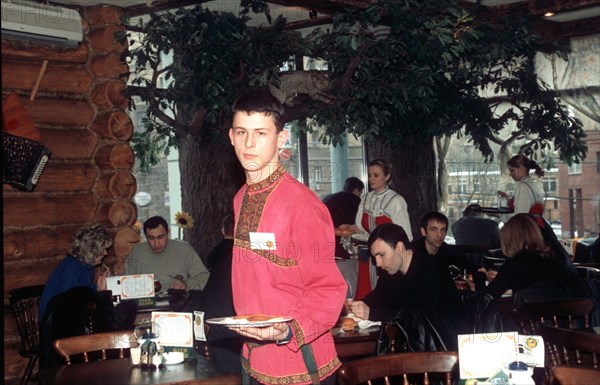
(114, 125)
(28, 50)
(58, 78)
(45, 111)
(69, 144)
(27, 274)
(117, 213)
(72, 176)
(33, 210)
(37, 243)
(125, 239)
(109, 66)
(103, 39)
(115, 156)
(103, 14)
(116, 185)
(109, 95)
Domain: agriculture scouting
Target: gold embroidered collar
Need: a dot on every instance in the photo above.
(263, 184)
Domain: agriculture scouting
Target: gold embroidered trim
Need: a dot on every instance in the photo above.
(298, 332)
(278, 173)
(268, 255)
(292, 379)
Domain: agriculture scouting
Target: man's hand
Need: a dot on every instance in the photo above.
(360, 309)
(275, 332)
(179, 283)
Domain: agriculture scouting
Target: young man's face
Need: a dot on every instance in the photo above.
(256, 143)
(388, 258)
(157, 238)
(434, 234)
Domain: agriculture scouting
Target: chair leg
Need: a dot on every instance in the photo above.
(29, 370)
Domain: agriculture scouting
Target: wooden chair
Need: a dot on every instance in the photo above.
(227, 379)
(102, 342)
(569, 347)
(401, 364)
(567, 313)
(24, 303)
(576, 375)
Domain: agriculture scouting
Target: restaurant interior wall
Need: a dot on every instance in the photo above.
(80, 112)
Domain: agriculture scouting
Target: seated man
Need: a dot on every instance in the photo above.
(174, 263)
(474, 229)
(223, 248)
(216, 300)
(434, 227)
(415, 282)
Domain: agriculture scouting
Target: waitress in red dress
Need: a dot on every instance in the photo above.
(380, 205)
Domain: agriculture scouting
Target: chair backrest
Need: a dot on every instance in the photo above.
(576, 375)
(568, 313)
(571, 347)
(227, 379)
(401, 364)
(121, 340)
(24, 303)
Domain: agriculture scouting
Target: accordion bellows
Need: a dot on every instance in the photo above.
(24, 161)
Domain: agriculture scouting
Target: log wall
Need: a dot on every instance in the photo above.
(79, 110)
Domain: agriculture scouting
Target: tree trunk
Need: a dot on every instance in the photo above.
(442, 144)
(413, 174)
(210, 177)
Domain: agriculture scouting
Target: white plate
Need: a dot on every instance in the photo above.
(244, 323)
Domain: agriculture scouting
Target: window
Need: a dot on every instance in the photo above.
(323, 167)
(598, 162)
(462, 186)
(575, 168)
(550, 185)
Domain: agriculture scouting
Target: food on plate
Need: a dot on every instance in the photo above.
(348, 324)
(258, 318)
(343, 232)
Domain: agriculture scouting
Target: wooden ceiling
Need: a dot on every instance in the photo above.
(571, 17)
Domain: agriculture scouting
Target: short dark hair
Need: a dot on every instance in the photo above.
(353, 183)
(154, 222)
(435, 216)
(391, 234)
(227, 225)
(261, 101)
(472, 208)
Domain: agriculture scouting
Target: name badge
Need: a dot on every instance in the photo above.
(262, 241)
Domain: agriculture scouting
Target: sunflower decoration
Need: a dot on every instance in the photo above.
(184, 221)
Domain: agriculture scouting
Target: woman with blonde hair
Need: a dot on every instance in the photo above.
(529, 260)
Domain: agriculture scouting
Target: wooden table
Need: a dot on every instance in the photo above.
(355, 344)
(120, 372)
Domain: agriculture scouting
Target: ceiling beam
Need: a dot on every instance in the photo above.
(159, 5)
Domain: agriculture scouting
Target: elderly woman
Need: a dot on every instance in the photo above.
(70, 304)
(529, 260)
(86, 251)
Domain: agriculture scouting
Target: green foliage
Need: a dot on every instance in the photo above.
(419, 68)
(215, 58)
(398, 70)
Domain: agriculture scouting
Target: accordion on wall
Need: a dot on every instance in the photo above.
(24, 161)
